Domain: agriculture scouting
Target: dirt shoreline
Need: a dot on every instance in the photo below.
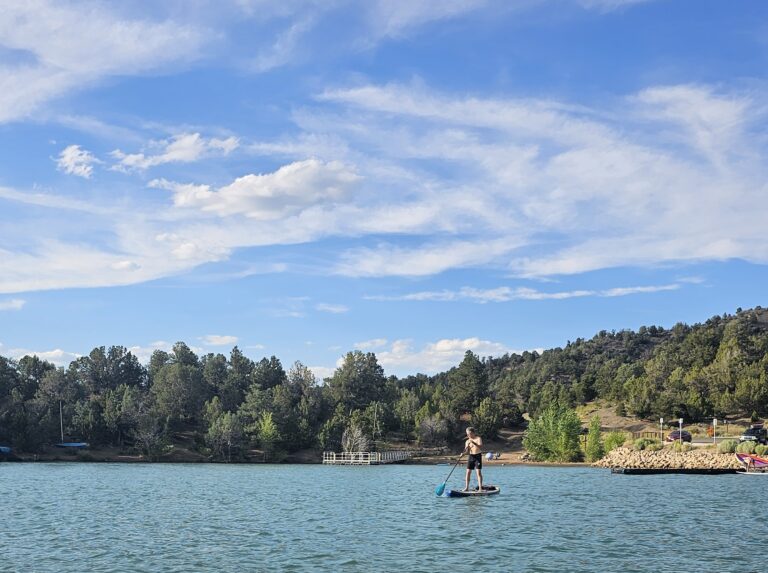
(97, 456)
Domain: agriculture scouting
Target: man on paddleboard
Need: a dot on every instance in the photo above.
(473, 446)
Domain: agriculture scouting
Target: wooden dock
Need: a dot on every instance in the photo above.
(654, 471)
(365, 458)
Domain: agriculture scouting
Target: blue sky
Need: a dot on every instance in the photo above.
(412, 178)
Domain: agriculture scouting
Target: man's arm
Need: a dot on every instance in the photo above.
(478, 441)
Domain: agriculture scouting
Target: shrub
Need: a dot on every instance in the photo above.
(682, 447)
(760, 450)
(727, 446)
(614, 439)
(647, 444)
(595, 449)
(746, 448)
(554, 435)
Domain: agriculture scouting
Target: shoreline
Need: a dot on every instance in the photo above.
(506, 459)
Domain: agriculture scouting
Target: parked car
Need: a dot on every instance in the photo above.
(678, 435)
(755, 434)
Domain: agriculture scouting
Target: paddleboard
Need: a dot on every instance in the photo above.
(752, 473)
(487, 490)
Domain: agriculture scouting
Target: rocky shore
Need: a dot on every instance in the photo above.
(667, 459)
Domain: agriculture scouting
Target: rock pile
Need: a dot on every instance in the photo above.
(667, 459)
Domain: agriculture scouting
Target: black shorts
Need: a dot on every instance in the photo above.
(475, 461)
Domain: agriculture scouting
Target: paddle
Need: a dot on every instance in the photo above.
(441, 488)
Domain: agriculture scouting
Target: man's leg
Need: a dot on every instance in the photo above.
(466, 479)
(479, 479)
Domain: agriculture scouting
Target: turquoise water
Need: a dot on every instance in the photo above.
(156, 518)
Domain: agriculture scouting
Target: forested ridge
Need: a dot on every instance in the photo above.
(233, 404)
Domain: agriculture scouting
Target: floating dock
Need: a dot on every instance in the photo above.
(365, 458)
(652, 471)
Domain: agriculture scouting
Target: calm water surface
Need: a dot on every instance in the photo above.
(178, 518)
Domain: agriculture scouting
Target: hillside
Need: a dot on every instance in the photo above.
(229, 407)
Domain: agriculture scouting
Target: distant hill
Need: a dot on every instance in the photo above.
(716, 368)
(222, 407)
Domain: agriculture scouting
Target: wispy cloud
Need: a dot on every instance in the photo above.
(182, 148)
(370, 344)
(74, 45)
(12, 304)
(74, 160)
(283, 50)
(506, 294)
(332, 308)
(419, 182)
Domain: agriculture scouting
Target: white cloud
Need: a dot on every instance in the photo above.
(74, 160)
(283, 50)
(437, 356)
(506, 294)
(394, 18)
(322, 372)
(12, 304)
(417, 182)
(57, 356)
(371, 344)
(69, 46)
(287, 191)
(332, 308)
(182, 148)
(608, 5)
(219, 340)
(426, 260)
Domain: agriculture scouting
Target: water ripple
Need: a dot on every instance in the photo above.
(178, 518)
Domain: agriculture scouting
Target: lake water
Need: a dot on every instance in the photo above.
(80, 517)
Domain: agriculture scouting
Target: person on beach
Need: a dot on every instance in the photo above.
(473, 446)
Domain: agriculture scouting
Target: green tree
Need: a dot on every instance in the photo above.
(486, 418)
(358, 381)
(595, 449)
(554, 435)
(268, 435)
(268, 373)
(224, 435)
(179, 391)
(468, 383)
(405, 411)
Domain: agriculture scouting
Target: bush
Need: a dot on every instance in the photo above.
(760, 450)
(727, 446)
(595, 449)
(746, 448)
(647, 444)
(682, 447)
(614, 439)
(554, 436)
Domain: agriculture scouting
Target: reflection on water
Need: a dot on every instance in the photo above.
(157, 517)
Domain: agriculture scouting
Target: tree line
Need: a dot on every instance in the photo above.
(232, 404)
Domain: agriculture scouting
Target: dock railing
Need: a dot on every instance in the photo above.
(365, 458)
